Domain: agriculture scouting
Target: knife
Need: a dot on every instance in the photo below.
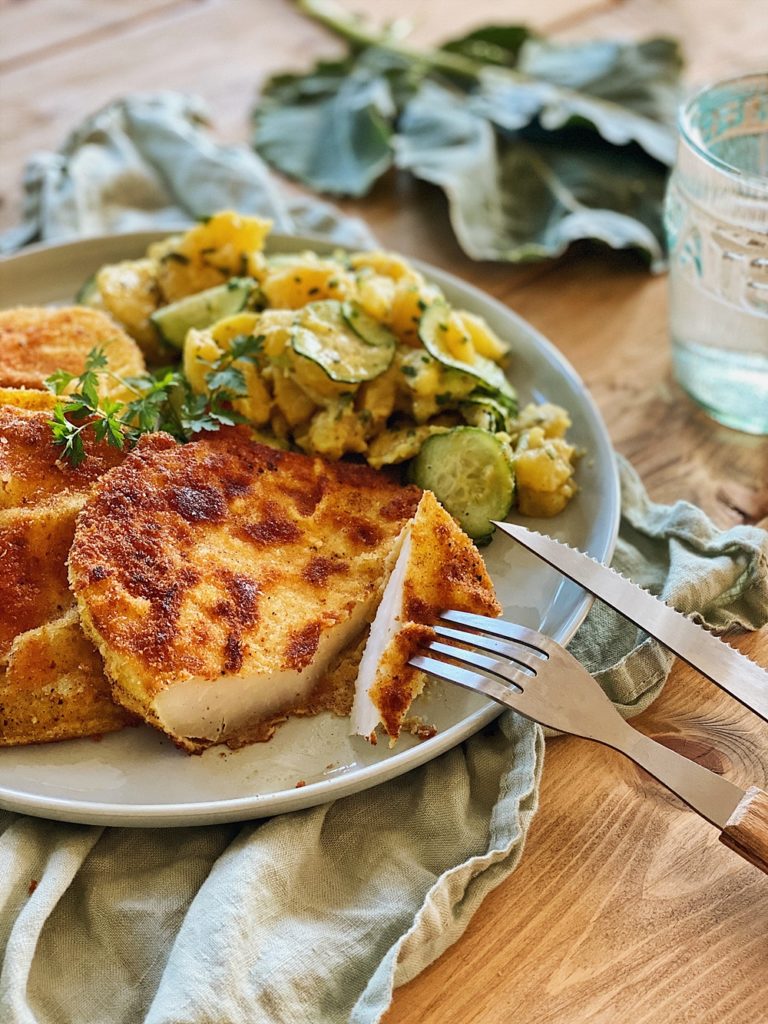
(731, 670)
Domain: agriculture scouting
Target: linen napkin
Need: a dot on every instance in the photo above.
(314, 916)
(149, 161)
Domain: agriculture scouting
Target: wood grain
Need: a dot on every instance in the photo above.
(625, 908)
(718, 38)
(28, 37)
(747, 829)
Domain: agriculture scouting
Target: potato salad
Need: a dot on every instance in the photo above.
(350, 354)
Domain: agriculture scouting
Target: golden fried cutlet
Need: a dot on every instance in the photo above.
(34, 544)
(53, 687)
(37, 341)
(31, 467)
(24, 398)
(40, 498)
(221, 579)
(438, 567)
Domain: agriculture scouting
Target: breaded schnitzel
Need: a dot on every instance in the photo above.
(51, 681)
(31, 468)
(53, 687)
(438, 567)
(40, 498)
(37, 341)
(222, 580)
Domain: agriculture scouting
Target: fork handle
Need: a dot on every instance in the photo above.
(714, 797)
(746, 831)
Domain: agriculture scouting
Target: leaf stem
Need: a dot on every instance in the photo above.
(564, 195)
(360, 33)
(124, 383)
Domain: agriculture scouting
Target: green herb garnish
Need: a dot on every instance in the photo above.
(163, 401)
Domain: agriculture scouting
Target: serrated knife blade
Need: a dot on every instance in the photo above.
(728, 668)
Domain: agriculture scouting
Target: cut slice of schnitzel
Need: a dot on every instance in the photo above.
(438, 567)
(51, 681)
(223, 580)
(53, 687)
(31, 468)
(34, 544)
(37, 341)
(40, 498)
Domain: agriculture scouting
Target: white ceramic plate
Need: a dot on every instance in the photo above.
(136, 777)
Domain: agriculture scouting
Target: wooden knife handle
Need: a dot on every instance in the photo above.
(746, 830)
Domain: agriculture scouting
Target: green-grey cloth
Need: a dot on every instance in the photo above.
(318, 915)
(149, 161)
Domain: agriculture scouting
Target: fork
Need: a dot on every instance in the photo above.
(537, 677)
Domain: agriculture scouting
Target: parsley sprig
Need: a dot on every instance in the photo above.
(163, 400)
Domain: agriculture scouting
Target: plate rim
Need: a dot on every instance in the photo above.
(253, 806)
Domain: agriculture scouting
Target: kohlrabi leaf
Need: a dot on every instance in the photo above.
(492, 44)
(643, 77)
(530, 195)
(512, 105)
(330, 128)
(627, 92)
(535, 143)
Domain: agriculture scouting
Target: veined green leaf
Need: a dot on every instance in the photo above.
(513, 105)
(643, 77)
(491, 44)
(525, 198)
(332, 128)
(627, 92)
(535, 143)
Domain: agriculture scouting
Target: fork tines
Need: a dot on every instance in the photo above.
(497, 627)
(522, 649)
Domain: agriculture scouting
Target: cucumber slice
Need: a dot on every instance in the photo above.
(488, 374)
(370, 330)
(202, 309)
(89, 294)
(482, 410)
(470, 473)
(322, 333)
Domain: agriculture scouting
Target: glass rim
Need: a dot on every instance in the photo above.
(684, 123)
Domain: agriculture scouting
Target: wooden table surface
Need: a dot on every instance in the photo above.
(625, 908)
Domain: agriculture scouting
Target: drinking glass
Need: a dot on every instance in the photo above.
(716, 220)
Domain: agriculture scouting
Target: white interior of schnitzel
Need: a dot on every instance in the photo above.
(365, 716)
(211, 709)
